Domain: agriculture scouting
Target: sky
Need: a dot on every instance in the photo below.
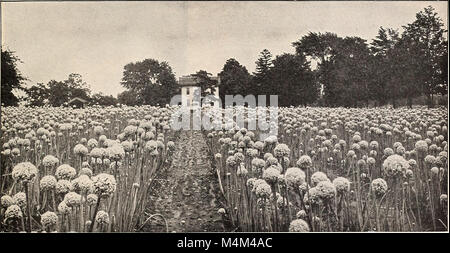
(97, 39)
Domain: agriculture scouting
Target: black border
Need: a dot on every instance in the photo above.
(292, 242)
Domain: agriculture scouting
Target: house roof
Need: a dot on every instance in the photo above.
(191, 80)
(187, 81)
(77, 99)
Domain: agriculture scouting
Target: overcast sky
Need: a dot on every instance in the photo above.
(96, 39)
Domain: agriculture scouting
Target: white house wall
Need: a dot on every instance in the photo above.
(186, 100)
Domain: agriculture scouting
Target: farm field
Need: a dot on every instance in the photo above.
(124, 169)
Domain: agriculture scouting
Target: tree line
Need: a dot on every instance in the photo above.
(349, 71)
(53, 93)
(325, 70)
(58, 93)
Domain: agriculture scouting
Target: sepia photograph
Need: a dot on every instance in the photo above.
(224, 117)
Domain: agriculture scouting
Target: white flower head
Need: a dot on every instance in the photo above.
(48, 183)
(342, 184)
(13, 212)
(271, 174)
(102, 217)
(65, 171)
(104, 184)
(295, 176)
(298, 225)
(49, 219)
(318, 177)
(379, 187)
(24, 172)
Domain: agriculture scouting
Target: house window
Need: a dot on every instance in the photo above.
(187, 91)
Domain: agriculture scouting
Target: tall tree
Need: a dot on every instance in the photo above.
(38, 95)
(153, 82)
(77, 87)
(405, 76)
(383, 78)
(59, 92)
(343, 66)
(234, 79)
(101, 99)
(294, 79)
(319, 46)
(353, 61)
(262, 84)
(128, 97)
(11, 78)
(205, 82)
(443, 74)
(426, 35)
(385, 41)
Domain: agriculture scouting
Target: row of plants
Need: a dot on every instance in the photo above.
(333, 169)
(83, 170)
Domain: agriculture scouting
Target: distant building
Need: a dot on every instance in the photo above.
(189, 87)
(77, 102)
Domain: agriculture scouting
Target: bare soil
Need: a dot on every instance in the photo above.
(185, 194)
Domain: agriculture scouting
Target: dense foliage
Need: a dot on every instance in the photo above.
(11, 78)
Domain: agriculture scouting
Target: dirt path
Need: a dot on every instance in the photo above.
(186, 192)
